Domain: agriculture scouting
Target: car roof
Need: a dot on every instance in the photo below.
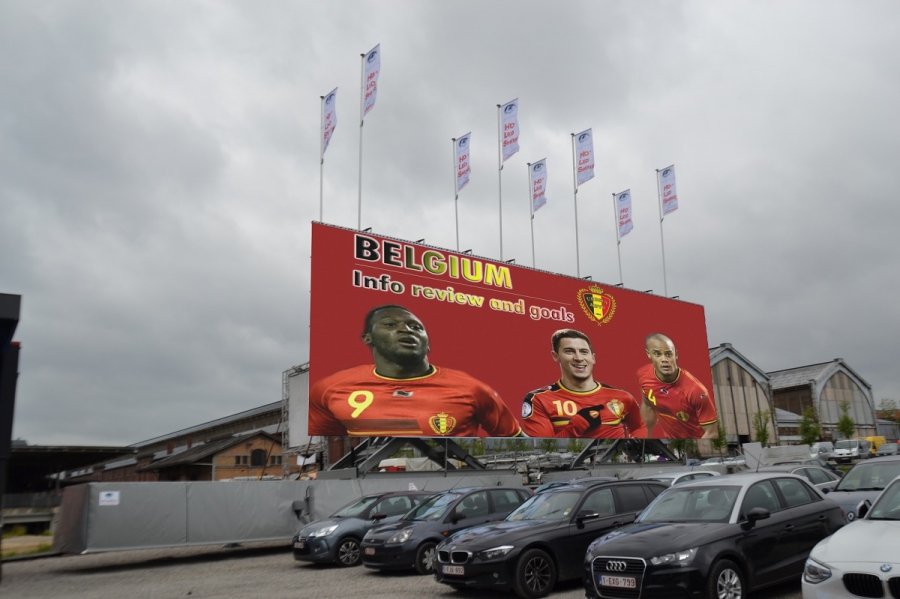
(598, 483)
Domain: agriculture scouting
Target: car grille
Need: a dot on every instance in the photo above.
(894, 586)
(373, 541)
(864, 585)
(453, 557)
(633, 567)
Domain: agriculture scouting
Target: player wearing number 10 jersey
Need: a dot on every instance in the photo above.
(402, 394)
(577, 405)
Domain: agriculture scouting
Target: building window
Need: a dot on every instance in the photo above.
(258, 458)
(244, 460)
(237, 460)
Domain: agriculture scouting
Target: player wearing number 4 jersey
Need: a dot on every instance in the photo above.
(402, 394)
(577, 405)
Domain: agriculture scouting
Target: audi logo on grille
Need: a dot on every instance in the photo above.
(615, 566)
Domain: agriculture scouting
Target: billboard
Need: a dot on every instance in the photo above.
(412, 340)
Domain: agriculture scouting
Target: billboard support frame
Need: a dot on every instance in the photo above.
(388, 446)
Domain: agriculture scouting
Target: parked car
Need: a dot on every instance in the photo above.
(819, 477)
(410, 542)
(859, 560)
(846, 450)
(864, 482)
(336, 539)
(721, 537)
(822, 450)
(812, 462)
(574, 481)
(886, 449)
(543, 540)
(677, 477)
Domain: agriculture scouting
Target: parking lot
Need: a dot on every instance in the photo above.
(263, 570)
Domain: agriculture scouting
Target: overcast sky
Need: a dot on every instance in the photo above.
(160, 170)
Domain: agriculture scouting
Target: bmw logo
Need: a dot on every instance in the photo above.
(885, 568)
(509, 108)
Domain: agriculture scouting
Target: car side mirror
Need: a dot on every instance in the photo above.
(757, 513)
(863, 509)
(826, 490)
(378, 516)
(584, 515)
(457, 517)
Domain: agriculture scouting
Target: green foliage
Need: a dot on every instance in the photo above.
(761, 427)
(845, 424)
(15, 531)
(887, 409)
(810, 431)
(549, 445)
(575, 445)
(477, 447)
(721, 442)
(516, 444)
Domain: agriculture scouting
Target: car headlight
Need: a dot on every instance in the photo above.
(495, 552)
(400, 537)
(323, 532)
(814, 572)
(679, 558)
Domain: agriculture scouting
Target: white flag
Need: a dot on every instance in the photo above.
(623, 213)
(462, 161)
(538, 184)
(509, 124)
(667, 194)
(329, 118)
(584, 150)
(370, 77)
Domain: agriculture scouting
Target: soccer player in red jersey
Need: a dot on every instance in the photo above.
(676, 405)
(402, 394)
(577, 405)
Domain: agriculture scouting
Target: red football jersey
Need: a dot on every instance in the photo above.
(552, 411)
(683, 406)
(359, 402)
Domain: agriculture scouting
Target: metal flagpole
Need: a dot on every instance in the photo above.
(321, 152)
(456, 191)
(362, 100)
(531, 206)
(618, 239)
(661, 240)
(500, 174)
(575, 194)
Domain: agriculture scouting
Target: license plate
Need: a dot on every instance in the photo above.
(623, 582)
(457, 570)
(299, 545)
(370, 551)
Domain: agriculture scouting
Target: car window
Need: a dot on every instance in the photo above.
(355, 509)
(600, 501)
(794, 491)
(692, 504)
(869, 477)
(699, 475)
(474, 505)
(632, 498)
(505, 500)
(762, 494)
(393, 506)
(547, 506)
(818, 477)
(887, 507)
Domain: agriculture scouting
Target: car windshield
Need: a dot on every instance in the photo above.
(432, 508)
(845, 445)
(869, 477)
(546, 506)
(355, 509)
(887, 507)
(692, 504)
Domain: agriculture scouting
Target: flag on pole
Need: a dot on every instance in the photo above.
(623, 212)
(667, 194)
(462, 161)
(329, 118)
(538, 184)
(584, 150)
(373, 67)
(510, 123)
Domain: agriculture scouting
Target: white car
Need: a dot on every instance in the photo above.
(861, 559)
(678, 477)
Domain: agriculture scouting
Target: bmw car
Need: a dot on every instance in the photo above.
(336, 539)
(410, 542)
(862, 560)
(719, 538)
(543, 540)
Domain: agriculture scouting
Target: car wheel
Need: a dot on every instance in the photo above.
(726, 581)
(347, 552)
(535, 574)
(425, 556)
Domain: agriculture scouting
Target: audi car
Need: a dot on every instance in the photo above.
(336, 539)
(410, 542)
(721, 537)
(543, 540)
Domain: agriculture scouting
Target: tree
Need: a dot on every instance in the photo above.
(575, 445)
(720, 442)
(516, 444)
(810, 431)
(549, 445)
(887, 409)
(845, 424)
(477, 447)
(761, 427)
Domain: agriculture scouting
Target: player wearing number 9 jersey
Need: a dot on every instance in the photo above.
(577, 405)
(402, 394)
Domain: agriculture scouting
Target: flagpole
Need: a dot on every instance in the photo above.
(531, 206)
(456, 190)
(662, 241)
(321, 152)
(362, 99)
(500, 174)
(575, 195)
(618, 239)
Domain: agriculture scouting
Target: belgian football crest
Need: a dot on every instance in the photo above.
(599, 306)
(442, 424)
(616, 407)
(683, 416)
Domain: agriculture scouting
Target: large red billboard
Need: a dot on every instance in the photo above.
(412, 340)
